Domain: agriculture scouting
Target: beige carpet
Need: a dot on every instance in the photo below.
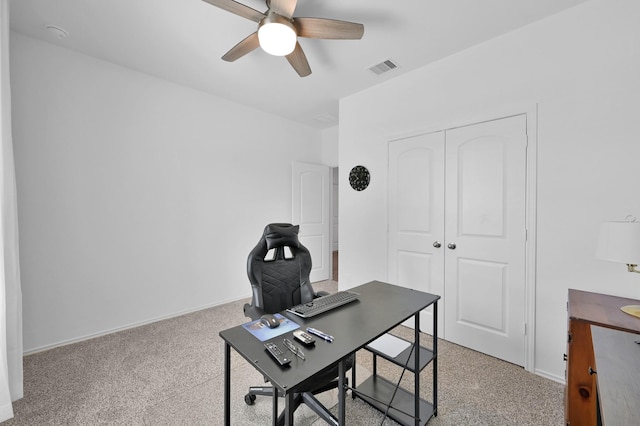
(171, 373)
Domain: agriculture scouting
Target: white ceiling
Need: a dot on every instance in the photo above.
(182, 41)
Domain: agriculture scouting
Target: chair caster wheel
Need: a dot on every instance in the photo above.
(249, 399)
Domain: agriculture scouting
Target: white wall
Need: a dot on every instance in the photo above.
(330, 146)
(581, 69)
(138, 198)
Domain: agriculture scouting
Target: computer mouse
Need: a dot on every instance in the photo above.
(269, 320)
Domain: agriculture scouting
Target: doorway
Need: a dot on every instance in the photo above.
(311, 209)
(335, 182)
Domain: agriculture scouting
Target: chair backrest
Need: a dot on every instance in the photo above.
(278, 269)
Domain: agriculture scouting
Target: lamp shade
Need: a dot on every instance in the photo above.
(619, 242)
(277, 35)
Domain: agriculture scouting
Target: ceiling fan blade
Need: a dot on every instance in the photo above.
(328, 29)
(298, 61)
(247, 45)
(237, 9)
(283, 7)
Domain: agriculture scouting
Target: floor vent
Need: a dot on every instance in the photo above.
(383, 67)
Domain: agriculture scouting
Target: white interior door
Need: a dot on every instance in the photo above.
(311, 210)
(485, 232)
(416, 217)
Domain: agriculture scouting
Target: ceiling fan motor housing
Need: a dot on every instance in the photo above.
(277, 34)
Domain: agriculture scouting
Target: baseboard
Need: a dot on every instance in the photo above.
(127, 327)
(550, 376)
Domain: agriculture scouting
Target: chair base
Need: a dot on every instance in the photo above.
(307, 398)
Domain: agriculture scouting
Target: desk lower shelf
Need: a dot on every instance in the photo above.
(376, 389)
(406, 357)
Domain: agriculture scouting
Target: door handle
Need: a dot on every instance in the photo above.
(452, 246)
(437, 244)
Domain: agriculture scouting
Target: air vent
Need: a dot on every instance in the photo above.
(383, 67)
(326, 118)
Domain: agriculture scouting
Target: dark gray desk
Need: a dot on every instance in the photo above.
(380, 308)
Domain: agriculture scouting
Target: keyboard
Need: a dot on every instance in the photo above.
(323, 304)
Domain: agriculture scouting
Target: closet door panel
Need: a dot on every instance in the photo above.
(481, 280)
(486, 237)
(481, 185)
(416, 216)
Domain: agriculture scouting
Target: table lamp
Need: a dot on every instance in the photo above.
(620, 242)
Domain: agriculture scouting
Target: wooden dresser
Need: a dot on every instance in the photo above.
(586, 309)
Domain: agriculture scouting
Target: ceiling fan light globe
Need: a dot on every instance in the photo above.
(277, 35)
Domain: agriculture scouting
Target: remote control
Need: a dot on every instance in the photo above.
(277, 353)
(305, 338)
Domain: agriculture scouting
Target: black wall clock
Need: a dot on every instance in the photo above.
(359, 178)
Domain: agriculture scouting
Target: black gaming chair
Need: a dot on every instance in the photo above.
(278, 269)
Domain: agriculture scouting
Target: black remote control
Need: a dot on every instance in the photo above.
(277, 353)
(305, 338)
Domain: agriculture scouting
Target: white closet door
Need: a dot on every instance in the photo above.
(416, 217)
(486, 236)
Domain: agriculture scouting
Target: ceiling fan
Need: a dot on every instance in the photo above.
(278, 31)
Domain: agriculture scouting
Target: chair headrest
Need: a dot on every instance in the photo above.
(281, 234)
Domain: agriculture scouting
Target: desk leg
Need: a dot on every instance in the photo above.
(353, 377)
(416, 355)
(274, 414)
(435, 360)
(341, 392)
(227, 384)
(375, 365)
(288, 409)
